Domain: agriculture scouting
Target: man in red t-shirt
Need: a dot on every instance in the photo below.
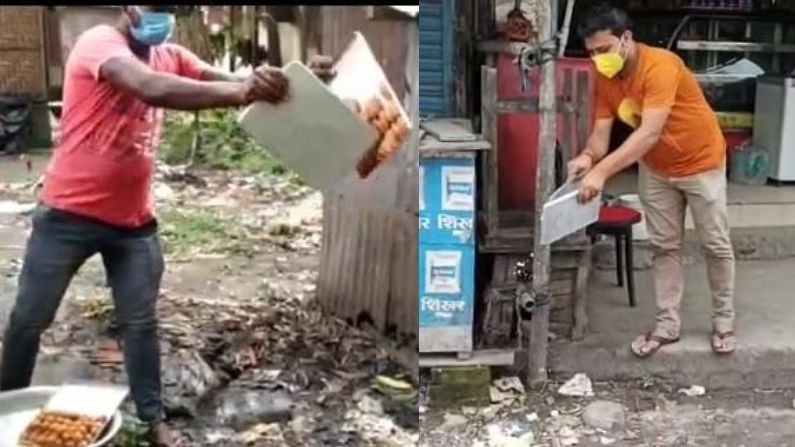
(97, 189)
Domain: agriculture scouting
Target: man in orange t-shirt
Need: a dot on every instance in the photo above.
(682, 156)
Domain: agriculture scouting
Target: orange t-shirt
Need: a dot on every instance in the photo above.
(692, 141)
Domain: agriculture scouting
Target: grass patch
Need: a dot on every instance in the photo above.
(223, 144)
(191, 231)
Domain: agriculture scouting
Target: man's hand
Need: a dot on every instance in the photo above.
(592, 184)
(579, 166)
(322, 67)
(265, 84)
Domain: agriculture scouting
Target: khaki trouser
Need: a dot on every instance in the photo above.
(665, 201)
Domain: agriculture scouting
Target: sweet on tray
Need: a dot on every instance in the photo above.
(60, 429)
(383, 113)
(362, 84)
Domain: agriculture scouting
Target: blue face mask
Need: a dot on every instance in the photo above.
(154, 28)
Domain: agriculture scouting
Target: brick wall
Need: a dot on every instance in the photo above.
(22, 69)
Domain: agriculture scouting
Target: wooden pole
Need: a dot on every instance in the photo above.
(545, 177)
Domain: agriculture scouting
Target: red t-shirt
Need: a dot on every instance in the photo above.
(103, 164)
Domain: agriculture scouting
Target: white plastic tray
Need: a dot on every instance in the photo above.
(314, 133)
(96, 400)
(19, 408)
(563, 215)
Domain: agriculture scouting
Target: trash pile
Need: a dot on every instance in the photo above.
(234, 365)
(262, 364)
(249, 358)
(581, 412)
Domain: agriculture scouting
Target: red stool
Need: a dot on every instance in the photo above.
(617, 221)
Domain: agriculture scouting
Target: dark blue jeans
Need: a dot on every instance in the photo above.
(59, 244)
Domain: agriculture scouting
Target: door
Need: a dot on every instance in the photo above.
(437, 47)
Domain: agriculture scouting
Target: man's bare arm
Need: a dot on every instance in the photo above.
(170, 91)
(212, 74)
(320, 65)
(637, 144)
(595, 150)
(599, 141)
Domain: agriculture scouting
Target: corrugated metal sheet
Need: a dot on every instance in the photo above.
(368, 264)
(436, 57)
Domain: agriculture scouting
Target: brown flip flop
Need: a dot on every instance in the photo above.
(723, 338)
(661, 341)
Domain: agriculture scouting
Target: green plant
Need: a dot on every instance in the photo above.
(190, 231)
(133, 433)
(223, 144)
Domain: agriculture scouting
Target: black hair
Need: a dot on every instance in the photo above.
(604, 17)
(171, 9)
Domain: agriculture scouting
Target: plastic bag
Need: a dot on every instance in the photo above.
(750, 165)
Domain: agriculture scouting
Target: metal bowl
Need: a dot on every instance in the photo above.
(19, 408)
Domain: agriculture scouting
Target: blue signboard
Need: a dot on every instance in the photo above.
(447, 285)
(447, 241)
(447, 184)
(447, 200)
(447, 228)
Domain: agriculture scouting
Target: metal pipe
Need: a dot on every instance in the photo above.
(526, 300)
(564, 32)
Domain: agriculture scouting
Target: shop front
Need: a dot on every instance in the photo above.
(742, 53)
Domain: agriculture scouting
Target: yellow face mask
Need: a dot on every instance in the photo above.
(609, 64)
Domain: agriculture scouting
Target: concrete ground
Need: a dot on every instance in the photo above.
(747, 400)
(708, 421)
(765, 317)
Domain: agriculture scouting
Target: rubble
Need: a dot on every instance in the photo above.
(578, 386)
(604, 415)
(567, 437)
(238, 407)
(377, 430)
(509, 433)
(452, 422)
(604, 440)
(369, 405)
(693, 391)
(262, 433)
(507, 390)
